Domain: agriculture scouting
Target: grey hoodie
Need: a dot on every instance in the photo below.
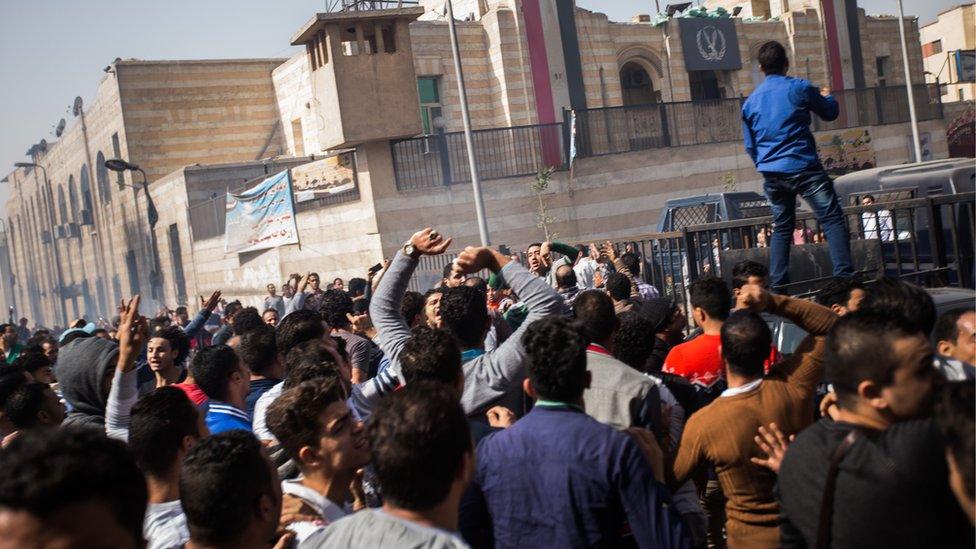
(81, 369)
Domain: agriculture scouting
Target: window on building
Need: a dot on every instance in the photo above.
(63, 206)
(932, 48)
(428, 88)
(133, 268)
(298, 136)
(72, 198)
(117, 153)
(636, 84)
(101, 179)
(86, 198)
(881, 65)
(176, 257)
(704, 86)
(965, 65)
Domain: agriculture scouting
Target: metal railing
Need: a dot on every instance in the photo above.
(930, 241)
(441, 159)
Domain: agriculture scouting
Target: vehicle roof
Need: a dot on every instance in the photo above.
(943, 296)
(711, 198)
(960, 171)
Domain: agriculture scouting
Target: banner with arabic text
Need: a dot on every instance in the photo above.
(261, 217)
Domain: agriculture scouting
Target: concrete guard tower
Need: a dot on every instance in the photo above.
(362, 75)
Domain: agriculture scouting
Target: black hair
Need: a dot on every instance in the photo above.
(464, 313)
(743, 270)
(594, 312)
(411, 305)
(556, 350)
(431, 354)
(310, 360)
(22, 406)
(419, 437)
(772, 58)
(746, 341)
(12, 377)
(446, 271)
(48, 470)
(228, 468)
(178, 342)
(31, 362)
(356, 286)
(360, 307)
(533, 245)
(860, 347)
(477, 283)
(894, 297)
(232, 308)
(618, 286)
(955, 412)
(248, 319)
(565, 277)
(838, 291)
(632, 262)
(212, 368)
(296, 328)
(712, 295)
(633, 342)
(295, 417)
(336, 304)
(156, 325)
(160, 421)
(947, 327)
(257, 349)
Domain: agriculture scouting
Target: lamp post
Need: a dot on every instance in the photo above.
(118, 165)
(916, 142)
(479, 205)
(54, 240)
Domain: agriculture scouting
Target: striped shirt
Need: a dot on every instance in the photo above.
(225, 417)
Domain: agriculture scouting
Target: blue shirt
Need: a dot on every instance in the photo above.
(559, 478)
(776, 124)
(224, 417)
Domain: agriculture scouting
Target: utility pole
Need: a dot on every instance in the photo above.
(916, 142)
(479, 204)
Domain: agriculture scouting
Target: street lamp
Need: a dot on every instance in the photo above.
(119, 165)
(54, 240)
(916, 143)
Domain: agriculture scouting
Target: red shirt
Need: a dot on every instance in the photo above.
(700, 360)
(193, 391)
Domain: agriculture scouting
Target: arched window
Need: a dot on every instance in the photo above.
(62, 206)
(72, 197)
(86, 196)
(101, 179)
(636, 84)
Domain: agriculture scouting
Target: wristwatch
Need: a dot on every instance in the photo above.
(410, 250)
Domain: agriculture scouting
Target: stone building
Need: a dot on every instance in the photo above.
(949, 50)
(374, 94)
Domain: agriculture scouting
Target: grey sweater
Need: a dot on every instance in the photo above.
(489, 377)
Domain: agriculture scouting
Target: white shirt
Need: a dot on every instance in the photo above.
(165, 526)
(329, 511)
(260, 424)
(741, 389)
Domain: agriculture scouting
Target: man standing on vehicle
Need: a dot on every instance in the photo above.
(776, 131)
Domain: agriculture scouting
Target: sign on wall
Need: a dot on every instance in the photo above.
(846, 151)
(328, 176)
(709, 44)
(261, 217)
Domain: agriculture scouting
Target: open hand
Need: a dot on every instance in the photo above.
(211, 303)
(132, 333)
(609, 250)
(429, 242)
(774, 443)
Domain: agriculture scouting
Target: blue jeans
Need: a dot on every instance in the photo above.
(818, 190)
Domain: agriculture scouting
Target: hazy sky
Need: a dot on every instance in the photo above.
(54, 50)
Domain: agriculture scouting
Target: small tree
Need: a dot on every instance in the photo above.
(728, 182)
(539, 186)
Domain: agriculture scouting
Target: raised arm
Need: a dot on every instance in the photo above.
(133, 333)
(491, 375)
(392, 330)
(201, 318)
(820, 102)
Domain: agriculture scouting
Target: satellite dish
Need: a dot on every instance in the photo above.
(43, 145)
(60, 128)
(76, 110)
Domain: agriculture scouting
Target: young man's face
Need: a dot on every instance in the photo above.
(270, 317)
(454, 279)
(159, 354)
(910, 391)
(52, 409)
(338, 284)
(534, 257)
(343, 446)
(313, 281)
(50, 351)
(45, 374)
(964, 347)
(272, 290)
(432, 310)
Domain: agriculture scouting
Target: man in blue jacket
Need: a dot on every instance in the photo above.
(776, 131)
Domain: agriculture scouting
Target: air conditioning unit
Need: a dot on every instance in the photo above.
(86, 217)
(45, 236)
(74, 231)
(60, 231)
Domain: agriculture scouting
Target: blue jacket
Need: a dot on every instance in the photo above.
(776, 124)
(559, 478)
(224, 417)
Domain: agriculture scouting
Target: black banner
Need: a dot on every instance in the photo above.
(709, 44)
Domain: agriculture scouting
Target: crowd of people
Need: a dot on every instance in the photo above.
(559, 403)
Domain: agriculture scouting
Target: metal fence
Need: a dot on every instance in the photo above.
(926, 240)
(628, 128)
(438, 160)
